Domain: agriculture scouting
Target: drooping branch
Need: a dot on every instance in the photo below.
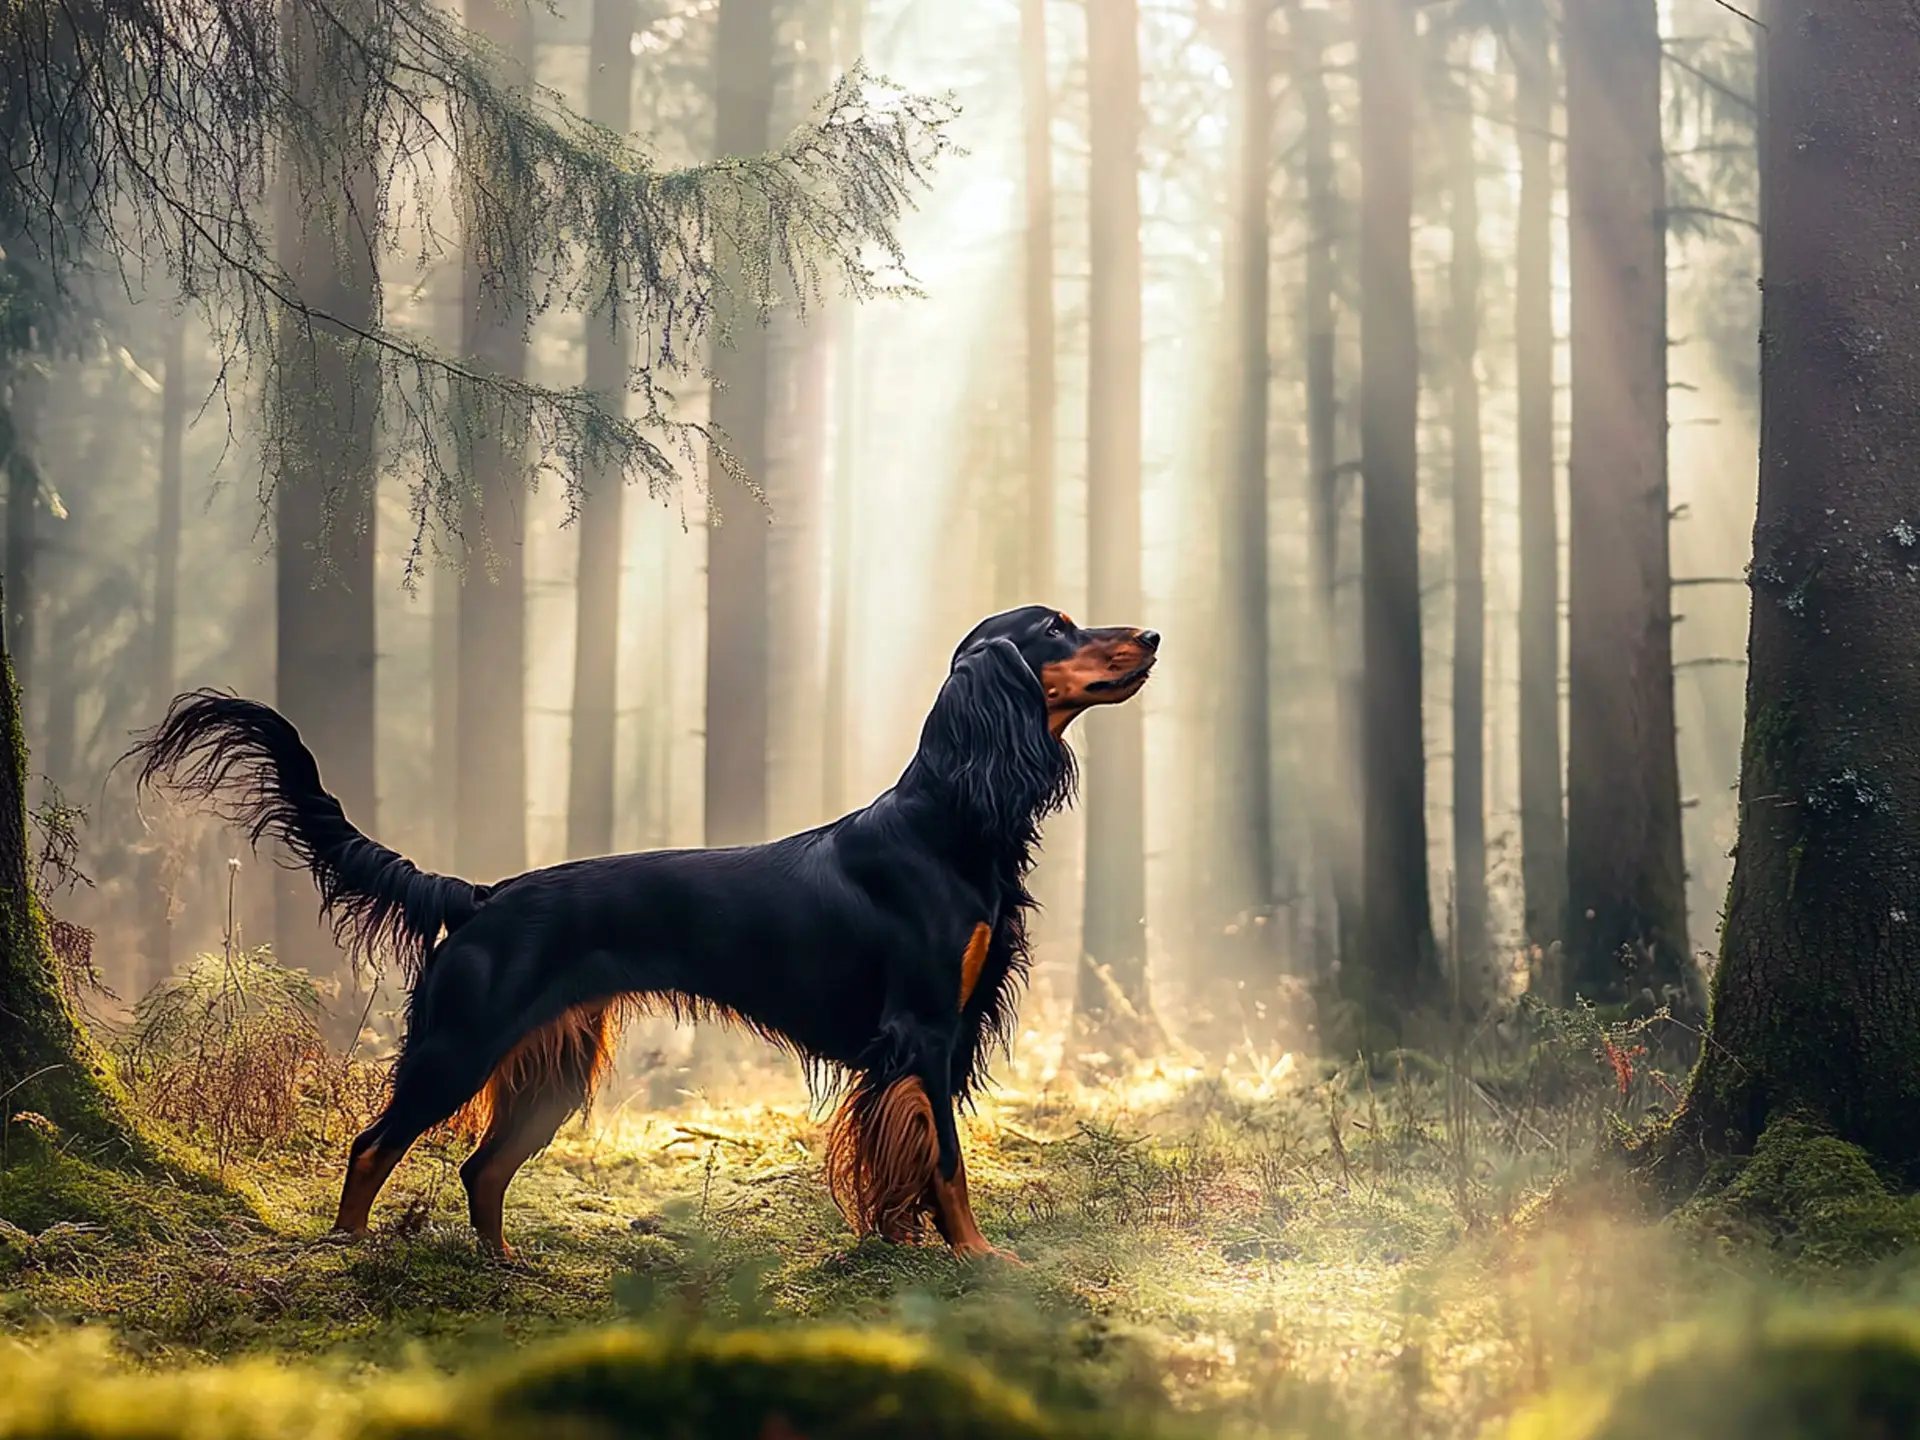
(149, 132)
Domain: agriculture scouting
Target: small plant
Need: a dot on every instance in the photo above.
(56, 824)
(230, 1048)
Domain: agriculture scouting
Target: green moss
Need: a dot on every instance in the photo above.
(1810, 1195)
(823, 1384)
(1795, 1378)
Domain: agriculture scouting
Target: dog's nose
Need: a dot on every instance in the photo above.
(1150, 639)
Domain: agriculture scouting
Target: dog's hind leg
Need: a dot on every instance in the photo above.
(549, 1076)
(433, 1080)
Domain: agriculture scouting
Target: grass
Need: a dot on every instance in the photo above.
(1265, 1248)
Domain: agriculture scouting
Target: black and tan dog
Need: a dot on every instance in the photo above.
(886, 949)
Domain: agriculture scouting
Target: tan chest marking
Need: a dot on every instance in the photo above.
(974, 961)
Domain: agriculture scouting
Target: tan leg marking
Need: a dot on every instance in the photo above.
(974, 961)
(953, 1215)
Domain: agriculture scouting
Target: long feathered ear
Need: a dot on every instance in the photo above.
(986, 743)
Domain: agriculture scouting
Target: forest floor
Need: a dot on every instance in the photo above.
(1274, 1248)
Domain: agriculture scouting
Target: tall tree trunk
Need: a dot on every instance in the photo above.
(1113, 972)
(157, 903)
(596, 655)
(327, 396)
(1543, 834)
(1469, 583)
(1247, 761)
(25, 403)
(1816, 1000)
(737, 619)
(1398, 968)
(1625, 874)
(1042, 386)
(1336, 906)
(444, 640)
(849, 19)
(491, 786)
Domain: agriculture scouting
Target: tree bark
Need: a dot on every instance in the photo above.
(1247, 761)
(1336, 905)
(849, 19)
(1470, 936)
(1399, 964)
(1113, 971)
(25, 402)
(491, 787)
(1037, 280)
(48, 1066)
(162, 658)
(1543, 833)
(596, 655)
(328, 395)
(1626, 926)
(737, 619)
(1816, 1000)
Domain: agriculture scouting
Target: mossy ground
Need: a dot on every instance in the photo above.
(1311, 1253)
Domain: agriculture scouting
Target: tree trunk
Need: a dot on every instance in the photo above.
(1398, 968)
(327, 396)
(1336, 906)
(157, 906)
(596, 655)
(48, 1066)
(1816, 1000)
(1042, 385)
(1469, 583)
(444, 638)
(1543, 834)
(737, 619)
(849, 17)
(836, 716)
(25, 404)
(1246, 796)
(1113, 972)
(491, 786)
(1626, 914)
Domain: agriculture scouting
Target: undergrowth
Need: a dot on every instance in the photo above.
(1262, 1246)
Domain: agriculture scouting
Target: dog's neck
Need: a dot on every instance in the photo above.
(1005, 833)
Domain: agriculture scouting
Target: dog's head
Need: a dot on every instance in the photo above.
(992, 742)
(1077, 669)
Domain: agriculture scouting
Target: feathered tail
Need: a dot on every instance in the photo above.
(250, 761)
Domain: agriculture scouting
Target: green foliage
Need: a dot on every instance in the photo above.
(153, 133)
(1787, 1378)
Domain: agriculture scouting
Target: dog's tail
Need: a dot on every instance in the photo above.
(249, 760)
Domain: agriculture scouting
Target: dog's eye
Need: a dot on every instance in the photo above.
(1059, 625)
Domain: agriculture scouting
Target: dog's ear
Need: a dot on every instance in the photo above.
(987, 745)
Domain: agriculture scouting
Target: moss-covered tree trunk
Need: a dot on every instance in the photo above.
(1626, 929)
(1399, 966)
(1816, 1002)
(48, 1066)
